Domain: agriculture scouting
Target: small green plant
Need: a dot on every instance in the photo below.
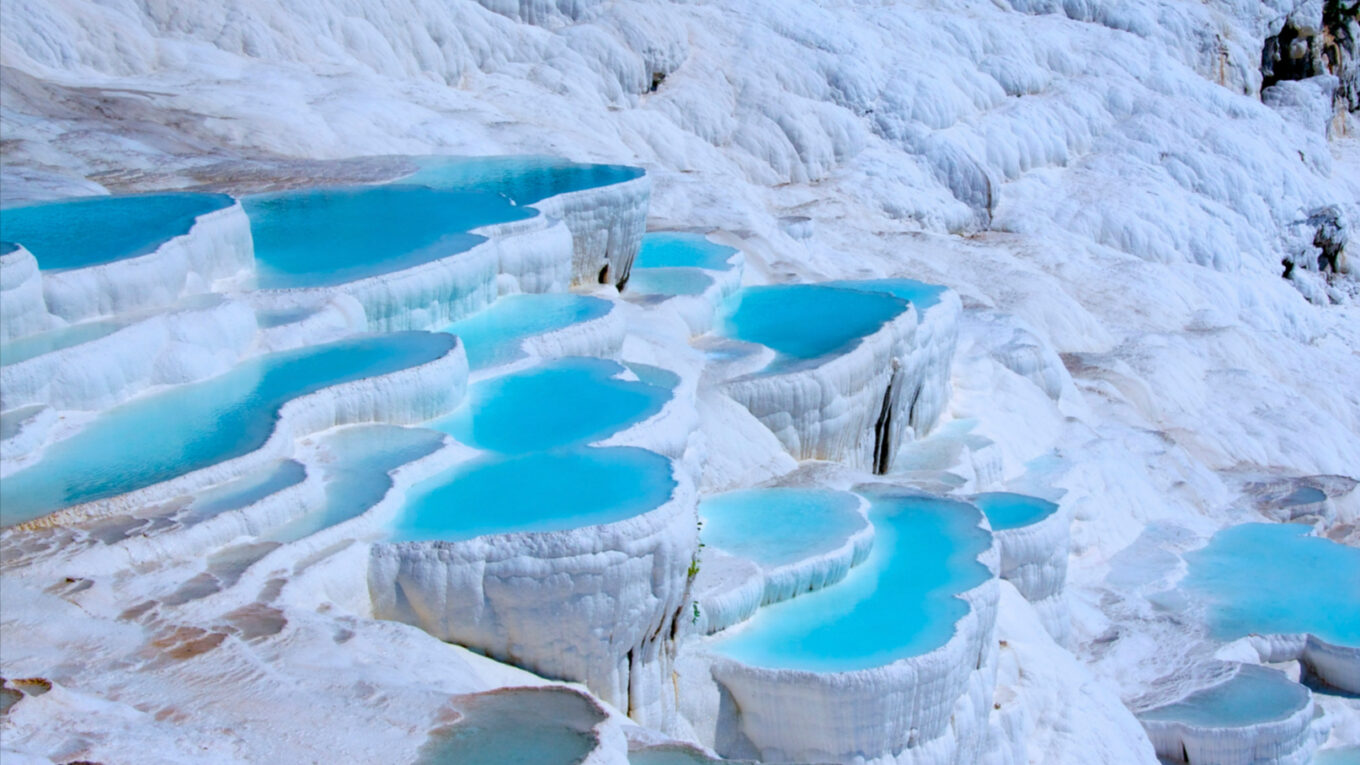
(695, 618)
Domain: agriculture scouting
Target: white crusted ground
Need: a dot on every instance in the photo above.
(1098, 182)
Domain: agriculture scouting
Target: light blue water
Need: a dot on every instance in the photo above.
(669, 281)
(899, 603)
(1345, 755)
(516, 727)
(774, 527)
(1304, 495)
(806, 321)
(244, 491)
(1276, 579)
(168, 434)
(677, 249)
(526, 179)
(1005, 510)
(94, 230)
(493, 336)
(565, 402)
(920, 294)
(32, 346)
(1255, 695)
(321, 237)
(358, 477)
(542, 491)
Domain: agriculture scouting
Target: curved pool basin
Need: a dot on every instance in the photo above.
(803, 322)
(679, 249)
(1006, 510)
(780, 526)
(494, 335)
(525, 179)
(91, 231)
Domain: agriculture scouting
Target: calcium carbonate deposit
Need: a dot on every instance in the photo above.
(639, 382)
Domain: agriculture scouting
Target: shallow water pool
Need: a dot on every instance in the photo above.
(678, 249)
(90, 231)
(329, 236)
(516, 726)
(803, 322)
(542, 491)
(899, 603)
(526, 179)
(1005, 510)
(776, 527)
(164, 435)
(923, 296)
(1254, 695)
(493, 336)
(1277, 579)
(563, 402)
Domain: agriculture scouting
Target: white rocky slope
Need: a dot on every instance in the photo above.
(1101, 179)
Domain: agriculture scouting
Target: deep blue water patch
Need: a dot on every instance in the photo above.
(1006, 510)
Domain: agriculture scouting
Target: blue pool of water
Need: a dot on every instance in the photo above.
(516, 727)
(244, 491)
(1254, 695)
(493, 336)
(803, 322)
(321, 237)
(677, 249)
(565, 402)
(1276, 579)
(525, 179)
(775, 527)
(899, 603)
(671, 755)
(669, 281)
(358, 477)
(541, 491)
(1345, 755)
(1304, 495)
(920, 294)
(32, 346)
(94, 230)
(1005, 510)
(168, 434)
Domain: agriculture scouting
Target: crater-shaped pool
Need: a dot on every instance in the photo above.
(920, 294)
(899, 603)
(542, 491)
(494, 336)
(1269, 578)
(516, 726)
(90, 231)
(564, 402)
(1253, 696)
(669, 281)
(167, 434)
(525, 179)
(803, 322)
(776, 527)
(357, 474)
(1005, 510)
(679, 249)
(328, 236)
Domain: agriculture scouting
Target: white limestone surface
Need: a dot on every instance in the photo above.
(607, 224)
(23, 310)
(203, 337)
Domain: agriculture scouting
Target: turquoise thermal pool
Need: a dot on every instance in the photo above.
(32, 346)
(517, 726)
(357, 474)
(493, 336)
(524, 179)
(527, 492)
(91, 231)
(899, 603)
(803, 322)
(677, 249)
(776, 527)
(243, 491)
(1005, 510)
(188, 427)
(1253, 696)
(920, 294)
(564, 402)
(324, 237)
(671, 755)
(1277, 579)
(669, 281)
